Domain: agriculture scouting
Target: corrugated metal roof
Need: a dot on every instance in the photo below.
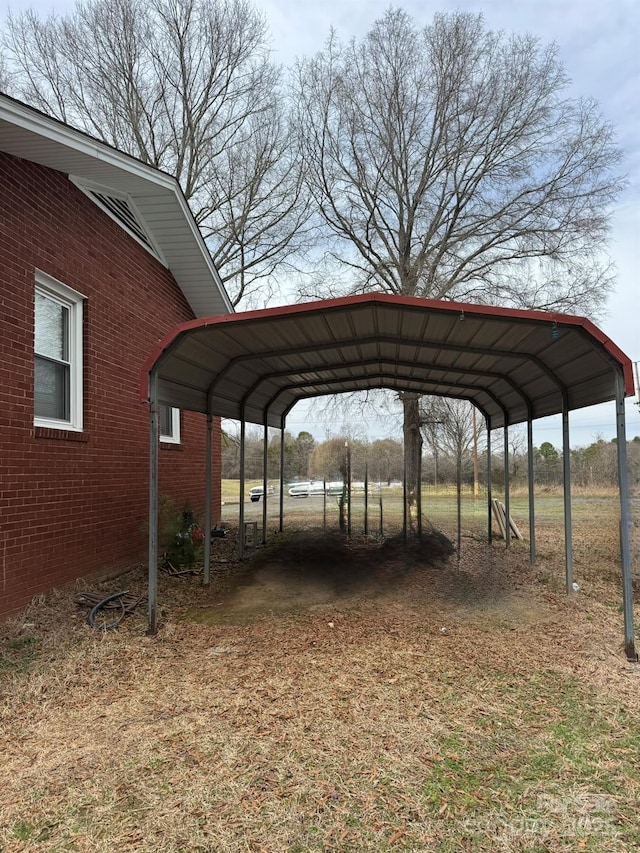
(511, 364)
(33, 136)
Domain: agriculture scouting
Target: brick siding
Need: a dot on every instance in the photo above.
(74, 505)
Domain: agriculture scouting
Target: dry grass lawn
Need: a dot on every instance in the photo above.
(332, 697)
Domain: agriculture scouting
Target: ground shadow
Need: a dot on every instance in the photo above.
(307, 570)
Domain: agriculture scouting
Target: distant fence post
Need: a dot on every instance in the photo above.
(366, 499)
(324, 504)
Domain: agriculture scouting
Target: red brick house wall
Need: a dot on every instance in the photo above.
(75, 504)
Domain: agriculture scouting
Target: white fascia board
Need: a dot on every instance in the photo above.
(197, 235)
(41, 125)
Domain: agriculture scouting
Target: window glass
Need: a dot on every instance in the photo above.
(52, 390)
(57, 341)
(166, 421)
(169, 419)
(52, 328)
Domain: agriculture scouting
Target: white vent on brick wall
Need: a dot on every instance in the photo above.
(120, 207)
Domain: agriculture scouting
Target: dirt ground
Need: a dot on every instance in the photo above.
(330, 695)
(323, 573)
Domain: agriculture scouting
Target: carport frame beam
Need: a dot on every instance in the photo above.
(243, 436)
(625, 521)
(566, 493)
(154, 440)
(207, 501)
(265, 462)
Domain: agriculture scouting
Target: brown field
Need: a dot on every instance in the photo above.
(334, 696)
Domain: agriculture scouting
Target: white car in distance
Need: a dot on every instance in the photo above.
(258, 491)
(310, 488)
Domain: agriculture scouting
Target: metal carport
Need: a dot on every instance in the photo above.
(513, 365)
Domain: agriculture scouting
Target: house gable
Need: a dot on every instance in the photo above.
(155, 195)
(73, 501)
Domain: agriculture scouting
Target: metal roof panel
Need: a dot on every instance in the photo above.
(512, 364)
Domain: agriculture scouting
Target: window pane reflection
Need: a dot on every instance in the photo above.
(52, 390)
(52, 328)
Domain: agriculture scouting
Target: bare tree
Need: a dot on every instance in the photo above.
(187, 86)
(385, 457)
(329, 458)
(517, 453)
(449, 162)
(448, 426)
(4, 75)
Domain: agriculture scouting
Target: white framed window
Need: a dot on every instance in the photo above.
(58, 354)
(169, 424)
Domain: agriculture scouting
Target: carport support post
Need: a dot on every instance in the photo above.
(324, 504)
(489, 490)
(532, 509)
(419, 496)
(154, 438)
(366, 498)
(507, 491)
(625, 521)
(348, 490)
(281, 526)
(207, 502)
(404, 494)
(459, 497)
(265, 460)
(566, 489)
(243, 433)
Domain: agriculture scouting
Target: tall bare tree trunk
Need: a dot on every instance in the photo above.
(413, 452)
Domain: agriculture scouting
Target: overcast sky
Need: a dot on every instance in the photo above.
(599, 45)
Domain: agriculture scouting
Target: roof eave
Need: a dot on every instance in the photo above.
(186, 253)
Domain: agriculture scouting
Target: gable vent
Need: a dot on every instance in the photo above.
(121, 208)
